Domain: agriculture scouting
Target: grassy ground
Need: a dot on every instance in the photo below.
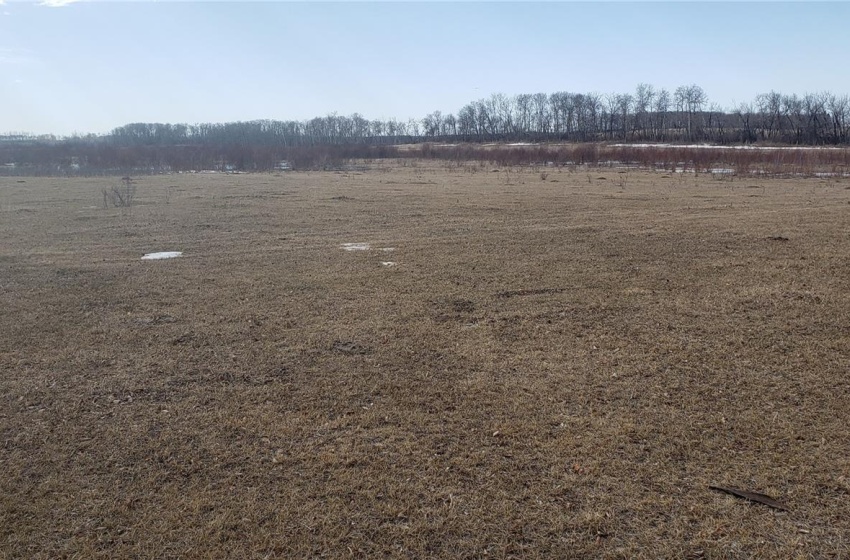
(559, 364)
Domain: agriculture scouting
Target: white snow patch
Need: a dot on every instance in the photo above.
(388, 263)
(828, 174)
(355, 246)
(387, 249)
(162, 255)
(717, 147)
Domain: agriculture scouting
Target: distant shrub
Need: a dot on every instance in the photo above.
(120, 196)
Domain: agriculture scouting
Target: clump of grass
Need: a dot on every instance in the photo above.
(120, 196)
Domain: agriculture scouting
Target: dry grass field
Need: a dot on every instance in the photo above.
(558, 365)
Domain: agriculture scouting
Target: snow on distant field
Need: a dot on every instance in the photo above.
(503, 145)
(717, 147)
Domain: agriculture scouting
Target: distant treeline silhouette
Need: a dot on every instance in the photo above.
(647, 115)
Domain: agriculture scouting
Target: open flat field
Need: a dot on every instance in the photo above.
(558, 365)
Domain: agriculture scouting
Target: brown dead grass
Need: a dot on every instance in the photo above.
(554, 368)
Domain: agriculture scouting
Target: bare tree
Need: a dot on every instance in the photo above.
(502, 108)
(611, 113)
(624, 106)
(661, 109)
(413, 128)
(449, 125)
(523, 106)
(432, 124)
(467, 124)
(689, 101)
(542, 117)
(562, 110)
(771, 107)
(839, 107)
(744, 112)
(644, 96)
(791, 108)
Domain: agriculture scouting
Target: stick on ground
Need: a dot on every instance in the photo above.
(752, 496)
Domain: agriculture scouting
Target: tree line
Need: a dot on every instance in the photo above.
(647, 114)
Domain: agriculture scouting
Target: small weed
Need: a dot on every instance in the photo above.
(121, 196)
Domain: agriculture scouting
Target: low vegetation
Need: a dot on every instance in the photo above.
(588, 122)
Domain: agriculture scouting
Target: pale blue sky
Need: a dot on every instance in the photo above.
(92, 66)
